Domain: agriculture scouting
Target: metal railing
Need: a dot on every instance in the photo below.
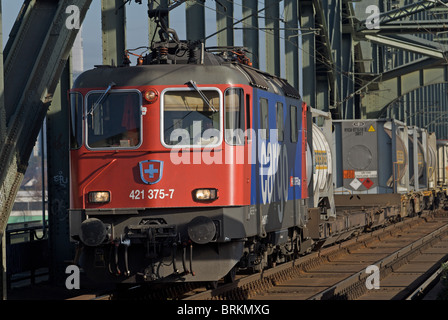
(27, 253)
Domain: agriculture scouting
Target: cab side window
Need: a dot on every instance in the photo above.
(234, 116)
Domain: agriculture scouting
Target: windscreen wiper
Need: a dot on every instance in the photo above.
(100, 99)
(203, 96)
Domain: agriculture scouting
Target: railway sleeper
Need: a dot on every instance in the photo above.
(354, 286)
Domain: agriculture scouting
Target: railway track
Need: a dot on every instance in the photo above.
(399, 273)
(405, 254)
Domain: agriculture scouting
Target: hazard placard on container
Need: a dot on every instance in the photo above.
(368, 183)
(355, 184)
(371, 129)
(349, 174)
(366, 174)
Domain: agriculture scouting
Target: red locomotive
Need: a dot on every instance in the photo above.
(185, 167)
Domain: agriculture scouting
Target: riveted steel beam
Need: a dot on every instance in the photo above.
(395, 92)
(272, 35)
(113, 24)
(58, 177)
(153, 32)
(409, 67)
(307, 22)
(328, 51)
(195, 16)
(3, 266)
(403, 12)
(36, 55)
(251, 39)
(410, 27)
(291, 43)
(405, 44)
(2, 87)
(224, 21)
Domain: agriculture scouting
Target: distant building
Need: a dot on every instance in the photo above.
(78, 56)
(28, 207)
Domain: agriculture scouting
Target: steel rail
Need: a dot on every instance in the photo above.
(430, 282)
(357, 281)
(245, 287)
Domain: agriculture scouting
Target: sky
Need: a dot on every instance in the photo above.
(91, 31)
(136, 26)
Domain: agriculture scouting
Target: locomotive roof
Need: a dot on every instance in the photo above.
(180, 74)
(176, 74)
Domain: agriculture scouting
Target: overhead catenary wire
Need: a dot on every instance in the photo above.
(319, 56)
(322, 59)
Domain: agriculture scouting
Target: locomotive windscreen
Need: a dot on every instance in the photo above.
(114, 121)
(188, 119)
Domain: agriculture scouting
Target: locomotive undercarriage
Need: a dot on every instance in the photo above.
(158, 246)
(201, 246)
(204, 245)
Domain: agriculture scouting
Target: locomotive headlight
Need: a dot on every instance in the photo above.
(99, 197)
(151, 95)
(205, 194)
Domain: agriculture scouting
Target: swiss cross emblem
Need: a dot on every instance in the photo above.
(151, 171)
